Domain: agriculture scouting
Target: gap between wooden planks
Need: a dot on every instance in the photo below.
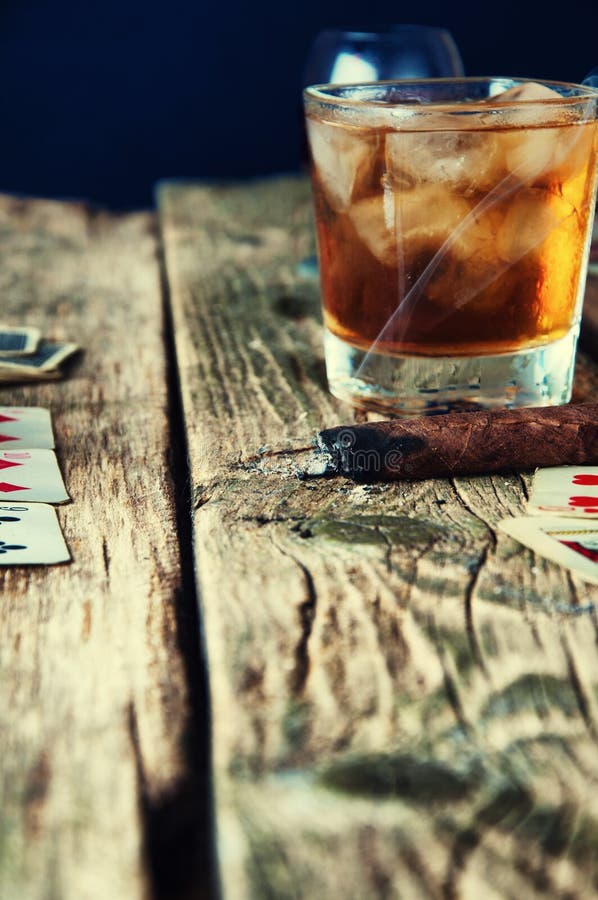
(404, 701)
(98, 795)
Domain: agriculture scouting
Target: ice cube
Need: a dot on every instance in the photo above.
(342, 158)
(426, 217)
(533, 213)
(467, 161)
(574, 151)
(475, 241)
(478, 271)
(467, 273)
(529, 154)
(477, 285)
(406, 224)
(534, 152)
(375, 229)
(526, 92)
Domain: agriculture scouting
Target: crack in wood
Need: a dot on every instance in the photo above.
(106, 557)
(469, 623)
(523, 484)
(180, 825)
(168, 825)
(200, 497)
(307, 614)
(277, 520)
(491, 532)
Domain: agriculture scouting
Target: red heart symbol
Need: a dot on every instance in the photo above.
(585, 479)
(591, 510)
(583, 501)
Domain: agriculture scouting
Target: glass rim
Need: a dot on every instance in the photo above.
(331, 94)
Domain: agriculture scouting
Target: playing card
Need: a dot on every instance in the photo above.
(28, 427)
(46, 358)
(30, 534)
(569, 542)
(565, 491)
(15, 341)
(31, 475)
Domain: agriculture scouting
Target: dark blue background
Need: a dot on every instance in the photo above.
(101, 100)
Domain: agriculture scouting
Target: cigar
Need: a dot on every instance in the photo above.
(471, 443)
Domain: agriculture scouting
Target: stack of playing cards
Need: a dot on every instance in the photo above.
(29, 480)
(559, 526)
(26, 356)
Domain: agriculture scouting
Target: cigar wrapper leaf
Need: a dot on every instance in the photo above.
(471, 443)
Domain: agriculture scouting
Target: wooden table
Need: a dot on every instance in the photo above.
(402, 702)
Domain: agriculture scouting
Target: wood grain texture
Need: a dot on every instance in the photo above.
(93, 708)
(589, 331)
(404, 700)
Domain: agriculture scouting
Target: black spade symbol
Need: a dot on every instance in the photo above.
(4, 547)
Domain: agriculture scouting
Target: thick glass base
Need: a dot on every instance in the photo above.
(426, 385)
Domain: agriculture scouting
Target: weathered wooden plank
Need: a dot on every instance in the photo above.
(404, 700)
(94, 707)
(589, 332)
